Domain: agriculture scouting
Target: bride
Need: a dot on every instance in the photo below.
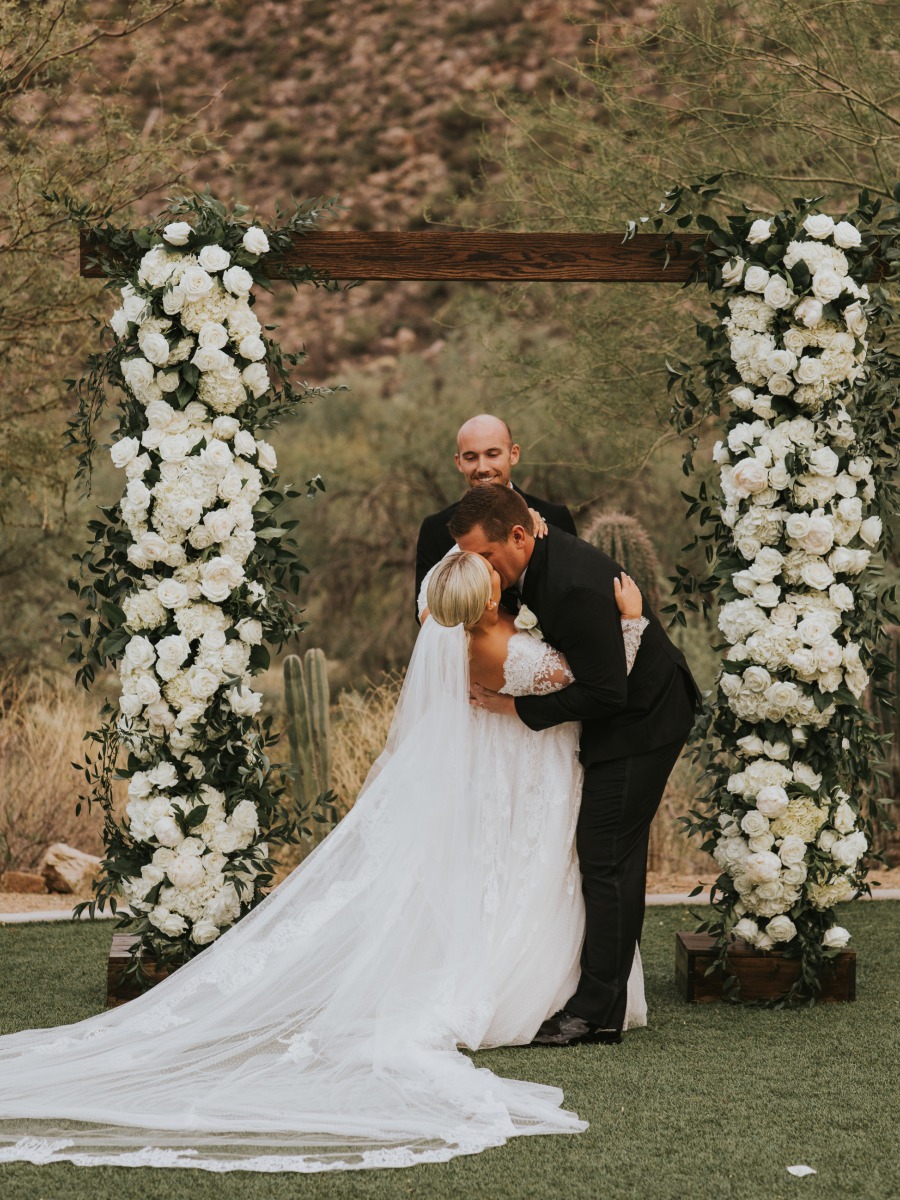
(322, 1032)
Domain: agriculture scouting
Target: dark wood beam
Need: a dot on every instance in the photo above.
(480, 256)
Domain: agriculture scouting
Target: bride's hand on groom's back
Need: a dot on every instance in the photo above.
(628, 597)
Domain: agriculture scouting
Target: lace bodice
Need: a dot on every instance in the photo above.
(533, 668)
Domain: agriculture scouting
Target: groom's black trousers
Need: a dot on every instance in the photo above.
(618, 802)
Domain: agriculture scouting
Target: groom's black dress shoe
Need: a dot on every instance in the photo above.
(566, 1029)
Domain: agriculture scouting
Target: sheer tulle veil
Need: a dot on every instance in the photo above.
(320, 1033)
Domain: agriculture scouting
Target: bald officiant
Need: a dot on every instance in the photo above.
(485, 455)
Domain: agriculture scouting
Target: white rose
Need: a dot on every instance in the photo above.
(749, 477)
(186, 513)
(244, 443)
(772, 801)
(780, 385)
(754, 823)
(155, 348)
(742, 397)
(129, 704)
(819, 535)
(219, 577)
(732, 272)
(140, 654)
(220, 523)
(252, 348)
(847, 851)
(827, 285)
(213, 334)
(756, 279)
(780, 362)
(809, 370)
(169, 923)
(824, 461)
(792, 850)
(238, 281)
(250, 631)
(819, 225)
(846, 235)
(124, 451)
(255, 241)
(226, 427)
(835, 938)
(216, 454)
(174, 447)
(856, 319)
(167, 832)
(777, 293)
(196, 283)
(760, 231)
(781, 928)
(844, 818)
(747, 930)
(174, 649)
(750, 744)
(168, 381)
(757, 679)
(817, 574)
(186, 872)
(173, 300)
(256, 378)
(870, 531)
(171, 593)
(244, 703)
(809, 311)
(203, 683)
(214, 258)
(208, 358)
(763, 867)
(266, 459)
(177, 233)
(204, 931)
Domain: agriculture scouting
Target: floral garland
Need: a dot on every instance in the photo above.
(189, 570)
(804, 470)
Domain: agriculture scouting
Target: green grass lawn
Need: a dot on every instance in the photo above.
(711, 1102)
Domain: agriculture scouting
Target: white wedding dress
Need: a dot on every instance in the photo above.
(322, 1032)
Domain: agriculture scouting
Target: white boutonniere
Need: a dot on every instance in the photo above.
(527, 622)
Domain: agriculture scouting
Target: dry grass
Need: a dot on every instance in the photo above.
(42, 726)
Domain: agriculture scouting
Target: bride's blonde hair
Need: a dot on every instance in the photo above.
(459, 590)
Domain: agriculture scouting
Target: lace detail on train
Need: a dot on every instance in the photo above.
(321, 1032)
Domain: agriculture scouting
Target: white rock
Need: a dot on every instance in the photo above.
(66, 869)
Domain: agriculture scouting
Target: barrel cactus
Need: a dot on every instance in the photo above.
(625, 539)
(307, 703)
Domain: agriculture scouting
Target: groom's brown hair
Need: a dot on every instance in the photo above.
(495, 508)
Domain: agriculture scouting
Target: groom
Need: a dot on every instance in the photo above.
(633, 729)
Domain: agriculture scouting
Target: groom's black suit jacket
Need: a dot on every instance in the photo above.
(435, 540)
(569, 587)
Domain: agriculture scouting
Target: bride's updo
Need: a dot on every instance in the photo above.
(459, 590)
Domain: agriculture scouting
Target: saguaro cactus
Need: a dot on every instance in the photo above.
(625, 539)
(307, 701)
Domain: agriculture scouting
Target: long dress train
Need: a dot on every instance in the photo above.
(322, 1032)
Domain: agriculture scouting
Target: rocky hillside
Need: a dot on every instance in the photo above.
(381, 102)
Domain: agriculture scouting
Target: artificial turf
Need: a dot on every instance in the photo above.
(711, 1102)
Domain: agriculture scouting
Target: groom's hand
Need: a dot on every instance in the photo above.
(495, 702)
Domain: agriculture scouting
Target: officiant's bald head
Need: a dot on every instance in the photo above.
(485, 450)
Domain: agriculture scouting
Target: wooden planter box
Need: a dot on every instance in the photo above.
(762, 974)
(119, 989)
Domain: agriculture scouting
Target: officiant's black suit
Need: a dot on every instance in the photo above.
(435, 540)
(633, 729)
